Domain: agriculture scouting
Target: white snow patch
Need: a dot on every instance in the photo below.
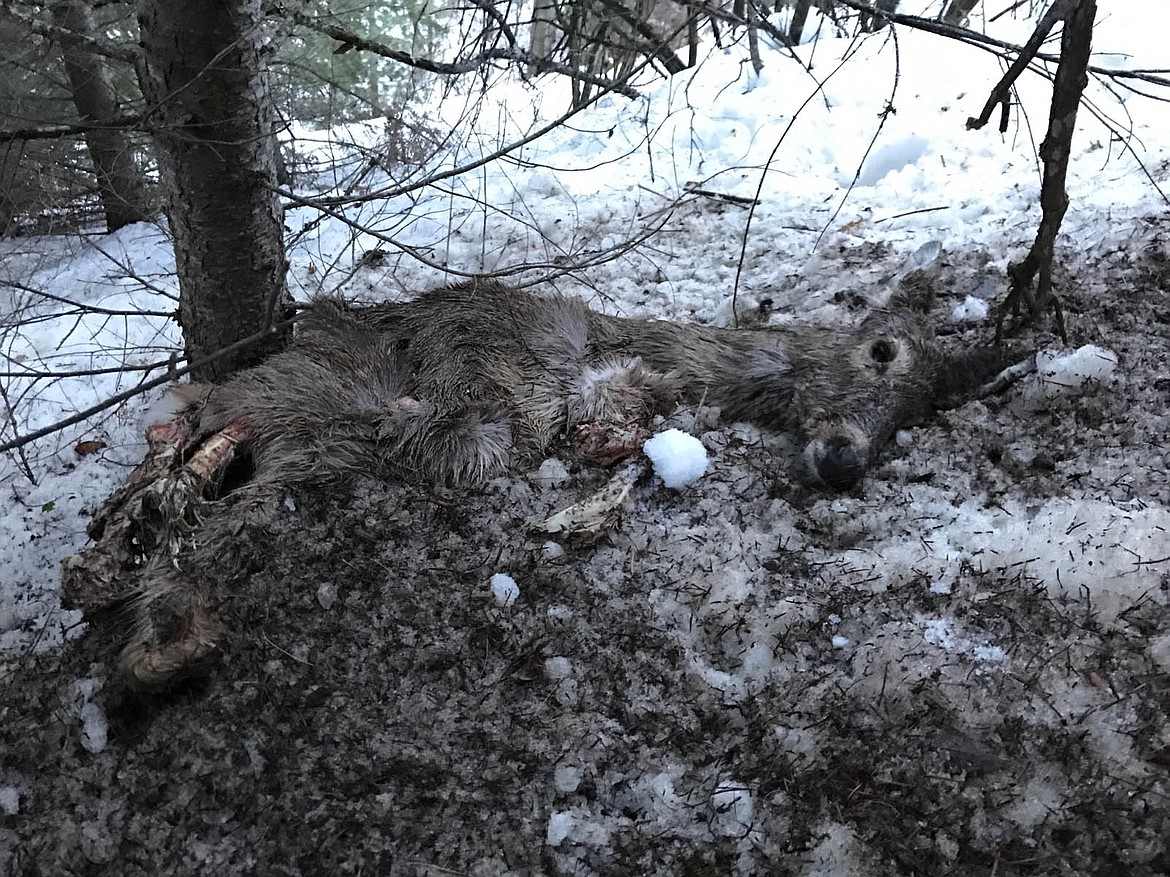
(1065, 373)
(971, 310)
(9, 800)
(578, 826)
(551, 473)
(567, 778)
(560, 826)
(1160, 651)
(1039, 799)
(326, 595)
(941, 632)
(558, 667)
(94, 728)
(892, 157)
(678, 458)
(839, 854)
(560, 612)
(504, 589)
(733, 808)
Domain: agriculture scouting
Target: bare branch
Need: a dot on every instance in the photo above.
(56, 132)
(1001, 93)
(66, 37)
(656, 45)
(983, 41)
(172, 374)
(350, 40)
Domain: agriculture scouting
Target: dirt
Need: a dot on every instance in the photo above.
(373, 710)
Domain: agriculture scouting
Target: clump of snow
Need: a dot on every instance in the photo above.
(1160, 652)
(567, 778)
(970, 311)
(9, 800)
(504, 589)
(558, 667)
(552, 550)
(94, 727)
(326, 595)
(839, 853)
(1071, 371)
(941, 632)
(678, 458)
(1038, 799)
(576, 825)
(560, 612)
(551, 473)
(1063, 373)
(841, 642)
(733, 808)
(560, 826)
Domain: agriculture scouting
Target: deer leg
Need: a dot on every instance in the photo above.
(175, 627)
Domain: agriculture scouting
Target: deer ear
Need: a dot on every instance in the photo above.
(916, 292)
(960, 376)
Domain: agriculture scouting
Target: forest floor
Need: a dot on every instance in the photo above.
(740, 678)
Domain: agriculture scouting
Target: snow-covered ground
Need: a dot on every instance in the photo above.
(855, 168)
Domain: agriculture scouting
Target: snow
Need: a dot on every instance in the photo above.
(551, 472)
(560, 825)
(567, 778)
(733, 804)
(505, 591)
(9, 800)
(679, 459)
(558, 667)
(834, 218)
(94, 731)
(972, 310)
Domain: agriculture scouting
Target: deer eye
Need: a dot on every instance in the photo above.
(883, 350)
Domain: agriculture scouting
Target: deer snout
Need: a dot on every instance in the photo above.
(838, 463)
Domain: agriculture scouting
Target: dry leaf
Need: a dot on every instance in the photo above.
(90, 446)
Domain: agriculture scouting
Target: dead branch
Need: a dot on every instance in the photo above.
(56, 132)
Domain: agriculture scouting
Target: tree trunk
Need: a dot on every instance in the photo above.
(118, 178)
(1056, 150)
(958, 10)
(869, 23)
(204, 76)
(799, 17)
(543, 36)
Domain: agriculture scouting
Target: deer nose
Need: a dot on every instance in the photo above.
(841, 466)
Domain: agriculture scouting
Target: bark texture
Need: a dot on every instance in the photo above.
(1055, 151)
(204, 81)
(958, 10)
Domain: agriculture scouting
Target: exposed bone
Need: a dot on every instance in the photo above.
(587, 521)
